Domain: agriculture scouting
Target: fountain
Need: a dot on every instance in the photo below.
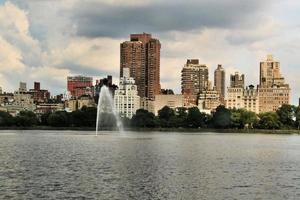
(106, 111)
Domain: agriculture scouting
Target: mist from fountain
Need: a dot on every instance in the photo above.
(105, 109)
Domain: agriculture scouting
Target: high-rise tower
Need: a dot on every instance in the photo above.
(219, 78)
(142, 56)
(194, 79)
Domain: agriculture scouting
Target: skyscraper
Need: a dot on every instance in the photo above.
(220, 81)
(272, 89)
(237, 80)
(194, 79)
(142, 56)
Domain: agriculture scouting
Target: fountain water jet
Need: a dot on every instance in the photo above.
(106, 107)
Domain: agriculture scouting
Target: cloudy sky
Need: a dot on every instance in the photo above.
(47, 40)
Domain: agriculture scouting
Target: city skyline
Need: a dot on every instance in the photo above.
(49, 47)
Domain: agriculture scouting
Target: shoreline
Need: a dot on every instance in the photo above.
(183, 130)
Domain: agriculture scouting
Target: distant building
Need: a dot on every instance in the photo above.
(108, 81)
(243, 98)
(237, 80)
(172, 101)
(85, 101)
(0, 90)
(49, 108)
(147, 104)
(6, 98)
(194, 79)
(209, 100)
(142, 56)
(39, 96)
(272, 89)
(126, 97)
(235, 98)
(22, 87)
(251, 100)
(24, 100)
(71, 105)
(219, 78)
(79, 85)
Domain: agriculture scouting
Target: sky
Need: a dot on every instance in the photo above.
(48, 40)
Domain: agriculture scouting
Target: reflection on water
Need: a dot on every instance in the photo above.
(62, 165)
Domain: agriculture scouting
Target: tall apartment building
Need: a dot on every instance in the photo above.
(237, 80)
(126, 98)
(77, 85)
(272, 89)
(219, 78)
(142, 56)
(194, 79)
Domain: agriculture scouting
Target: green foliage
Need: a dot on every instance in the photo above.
(58, 119)
(196, 119)
(26, 119)
(268, 120)
(86, 117)
(222, 117)
(181, 117)
(6, 119)
(167, 117)
(241, 118)
(286, 114)
(143, 118)
(297, 117)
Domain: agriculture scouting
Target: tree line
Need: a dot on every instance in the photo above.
(286, 117)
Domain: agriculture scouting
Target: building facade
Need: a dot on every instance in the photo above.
(173, 101)
(39, 95)
(78, 85)
(272, 89)
(142, 56)
(237, 80)
(209, 100)
(194, 79)
(219, 80)
(126, 98)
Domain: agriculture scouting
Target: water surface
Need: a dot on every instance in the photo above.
(134, 165)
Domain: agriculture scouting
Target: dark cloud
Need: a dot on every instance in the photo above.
(103, 20)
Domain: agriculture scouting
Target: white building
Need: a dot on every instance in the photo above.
(241, 98)
(126, 97)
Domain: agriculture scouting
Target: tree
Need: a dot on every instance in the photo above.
(196, 119)
(248, 118)
(241, 118)
(268, 120)
(222, 117)
(6, 119)
(143, 118)
(181, 115)
(286, 114)
(297, 117)
(58, 119)
(167, 117)
(26, 118)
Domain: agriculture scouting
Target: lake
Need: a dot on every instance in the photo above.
(152, 165)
